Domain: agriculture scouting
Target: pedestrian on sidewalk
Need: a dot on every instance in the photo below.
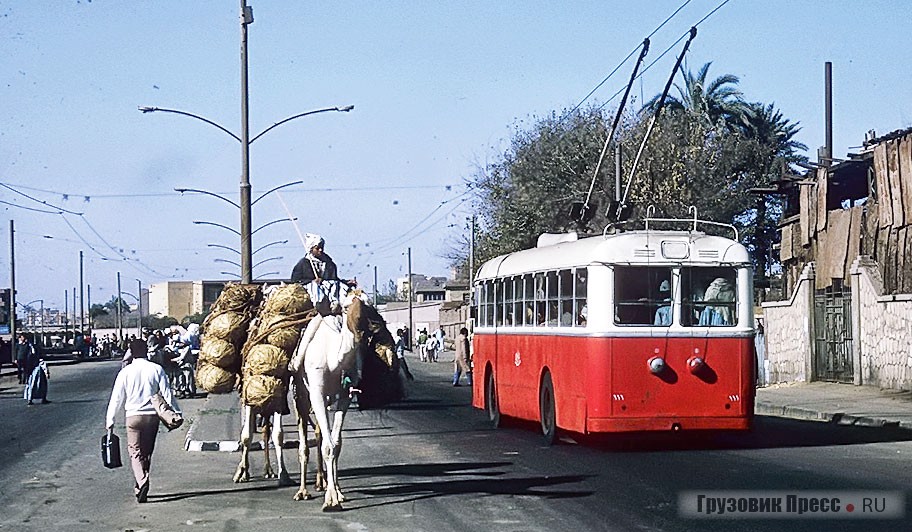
(36, 388)
(134, 388)
(24, 351)
(461, 363)
(400, 354)
(422, 347)
(431, 347)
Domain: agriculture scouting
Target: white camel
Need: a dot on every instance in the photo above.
(326, 364)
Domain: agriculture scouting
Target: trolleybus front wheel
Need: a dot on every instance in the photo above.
(546, 408)
(491, 400)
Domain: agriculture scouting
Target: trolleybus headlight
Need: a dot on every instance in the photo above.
(656, 365)
(695, 364)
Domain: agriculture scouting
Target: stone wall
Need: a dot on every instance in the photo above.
(882, 330)
(789, 333)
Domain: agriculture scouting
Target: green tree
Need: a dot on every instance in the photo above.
(713, 101)
(776, 135)
(97, 310)
(528, 191)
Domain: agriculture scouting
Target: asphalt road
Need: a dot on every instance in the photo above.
(430, 463)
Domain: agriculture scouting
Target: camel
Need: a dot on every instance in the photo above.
(327, 364)
(325, 371)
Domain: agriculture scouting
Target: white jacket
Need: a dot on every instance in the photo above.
(134, 387)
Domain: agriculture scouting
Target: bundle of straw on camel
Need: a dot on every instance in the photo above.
(223, 334)
(273, 338)
(380, 382)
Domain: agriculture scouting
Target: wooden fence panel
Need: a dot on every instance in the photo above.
(882, 181)
(896, 191)
(905, 172)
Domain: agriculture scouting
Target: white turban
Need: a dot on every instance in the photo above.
(311, 240)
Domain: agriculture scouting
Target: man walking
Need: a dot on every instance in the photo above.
(24, 352)
(134, 388)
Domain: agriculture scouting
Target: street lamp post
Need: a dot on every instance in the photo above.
(138, 321)
(29, 308)
(245, 204)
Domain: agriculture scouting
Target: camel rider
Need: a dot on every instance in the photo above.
(314, 269)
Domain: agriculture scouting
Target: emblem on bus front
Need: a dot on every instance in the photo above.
(517, 360)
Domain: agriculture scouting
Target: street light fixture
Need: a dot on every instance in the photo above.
(41, 315)
(244, 205)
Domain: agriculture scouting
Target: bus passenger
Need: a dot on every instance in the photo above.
(663, 313)
(723, 291)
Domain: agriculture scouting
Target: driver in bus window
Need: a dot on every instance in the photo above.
(663, 313)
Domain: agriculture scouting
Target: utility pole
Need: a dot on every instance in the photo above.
(74, 315)
(246, 235)
(13, 285)
(119, 310)
(410, 333)
(472, 253)
(66, 313)
(81, 298)
(376, 295)
(139, 332)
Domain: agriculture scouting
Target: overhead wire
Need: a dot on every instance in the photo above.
(618, 67)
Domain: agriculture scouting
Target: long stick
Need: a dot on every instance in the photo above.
(622, 204)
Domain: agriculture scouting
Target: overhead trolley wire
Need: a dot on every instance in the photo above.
(618, 67)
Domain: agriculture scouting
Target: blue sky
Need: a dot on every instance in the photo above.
(438, 87)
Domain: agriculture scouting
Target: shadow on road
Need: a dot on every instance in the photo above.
(768, 433)
(170, 497)
(545, 487)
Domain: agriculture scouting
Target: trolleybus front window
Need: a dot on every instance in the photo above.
(642, 295)
(709, 297)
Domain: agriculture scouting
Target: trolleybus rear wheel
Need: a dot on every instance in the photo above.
(491, 401)
(546, 408)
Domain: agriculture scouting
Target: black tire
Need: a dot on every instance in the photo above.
(547, 411)
(491, 400)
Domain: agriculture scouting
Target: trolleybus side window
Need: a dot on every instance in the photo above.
(488, 303)
(539, 299)
(565, 283)
(580, 309)
(709, 296)
(642, 295)
(528, 301)
(516, 311)
(508, 296)
(553, 308)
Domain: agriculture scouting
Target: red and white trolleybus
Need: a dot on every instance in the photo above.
(646, 330)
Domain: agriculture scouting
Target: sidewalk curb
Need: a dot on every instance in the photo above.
(839, 418)
(228, 446)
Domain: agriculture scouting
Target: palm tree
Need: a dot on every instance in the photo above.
(776, 136)
(767, 125)
(714, 100)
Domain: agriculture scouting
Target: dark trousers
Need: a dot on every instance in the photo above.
(20, 371)
(141, 433)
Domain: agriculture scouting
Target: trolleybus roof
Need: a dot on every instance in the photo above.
(632, 247)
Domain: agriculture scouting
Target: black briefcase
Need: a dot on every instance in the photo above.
(110, 451)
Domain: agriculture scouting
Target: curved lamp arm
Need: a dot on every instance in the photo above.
(227, 261)
(235, 231)
(268, 224)
(345, 109)
(146, 109)
(213, 194)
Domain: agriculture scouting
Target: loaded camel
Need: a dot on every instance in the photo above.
(325, 371)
